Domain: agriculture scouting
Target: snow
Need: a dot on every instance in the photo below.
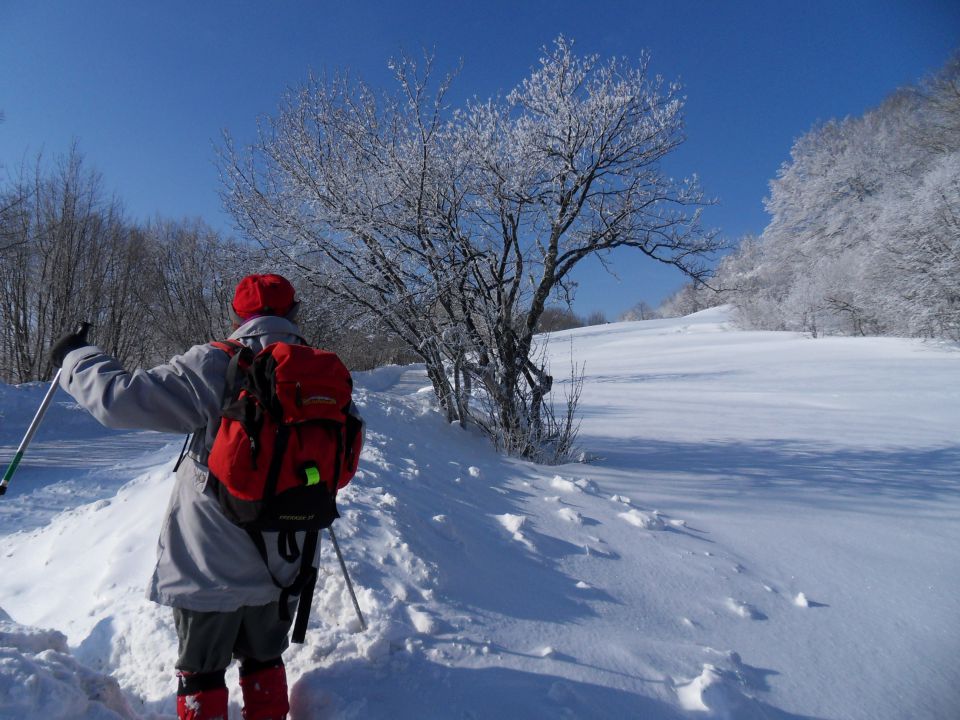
(767, 528)
(647, 521)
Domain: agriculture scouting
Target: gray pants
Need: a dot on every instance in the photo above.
(209, 640)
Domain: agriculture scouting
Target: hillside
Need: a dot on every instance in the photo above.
(766, 527)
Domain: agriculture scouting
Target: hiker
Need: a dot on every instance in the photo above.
(223, 589)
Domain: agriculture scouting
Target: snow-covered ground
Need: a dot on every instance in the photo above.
(767, 528)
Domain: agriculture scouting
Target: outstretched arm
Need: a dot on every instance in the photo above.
(177, 397)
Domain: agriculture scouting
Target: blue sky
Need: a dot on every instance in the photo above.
(146, 88)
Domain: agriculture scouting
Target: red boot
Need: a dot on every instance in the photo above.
(264, 686)
(201, 696)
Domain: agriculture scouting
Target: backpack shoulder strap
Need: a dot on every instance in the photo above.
(303, 584)
(230, 347)
(241, 357)
(308, 573)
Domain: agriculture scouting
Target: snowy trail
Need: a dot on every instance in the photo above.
(769, 530)
(72, 460)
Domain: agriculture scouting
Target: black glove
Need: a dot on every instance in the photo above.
(69, 342)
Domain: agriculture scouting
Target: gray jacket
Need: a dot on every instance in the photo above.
(204, 561)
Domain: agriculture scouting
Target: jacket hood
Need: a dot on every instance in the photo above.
(267, 329)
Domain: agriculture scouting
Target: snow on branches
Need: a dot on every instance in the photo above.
(455, 226)
(864, 236)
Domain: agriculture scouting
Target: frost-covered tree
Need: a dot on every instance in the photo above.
(61, 235)
(190, 283)
(69, 254)
(925, 283)
(641, 311)
(690, 298)
(597, 317)
(863, 235)
(554, 318)
(455, 227)
(937, 130)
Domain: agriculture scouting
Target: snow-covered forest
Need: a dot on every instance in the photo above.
(864, 233)
(69, 252)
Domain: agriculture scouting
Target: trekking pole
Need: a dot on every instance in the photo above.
(31, 431)
(82, 328)
(346, 576)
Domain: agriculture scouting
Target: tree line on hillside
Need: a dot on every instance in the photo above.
(151, 290)
(864, 236)
(449, 232)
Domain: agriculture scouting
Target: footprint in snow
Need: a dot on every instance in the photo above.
(570, 515)
(596, 549)
(387, 500)
(558, 482)
(564, 485)
(716, 691)
(587, 486)
(513, 524)
(442, 525)
(646, 521)
(422, 621)
(744, 610)
(802, 601)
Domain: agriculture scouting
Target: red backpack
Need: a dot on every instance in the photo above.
(287, 441)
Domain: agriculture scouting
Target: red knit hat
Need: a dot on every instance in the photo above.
(263, 295)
